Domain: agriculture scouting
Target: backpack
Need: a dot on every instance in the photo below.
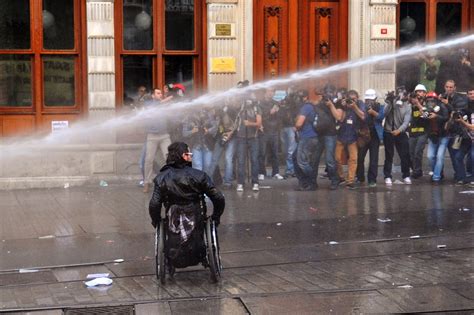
(322, 121)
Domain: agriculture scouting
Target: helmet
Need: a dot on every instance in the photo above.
(370, 94)
(420, 87)
(431, 94)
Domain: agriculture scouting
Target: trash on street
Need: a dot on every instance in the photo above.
(103, 183)
(27, 270)
(98, 281)
(98, 275)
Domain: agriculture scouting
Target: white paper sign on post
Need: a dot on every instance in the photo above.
(58, 125)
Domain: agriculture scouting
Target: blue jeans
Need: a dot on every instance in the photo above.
(266, 140)
(328, 145)
(141, 162)
(229, 149)
(202, 158)
(459, 155)
(288, 138)
(436, 151)
(417, 146)
(245, 145)
(470, 163)
(305, 167)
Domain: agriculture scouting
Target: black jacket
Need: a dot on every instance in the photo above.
(184, 185)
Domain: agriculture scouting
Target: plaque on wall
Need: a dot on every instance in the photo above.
(223, 65)
(222, 30)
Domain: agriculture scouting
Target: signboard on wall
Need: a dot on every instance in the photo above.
(59, 125)
(223, 65)
(383, 31)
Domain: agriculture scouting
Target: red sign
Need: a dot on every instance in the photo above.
(383, 31)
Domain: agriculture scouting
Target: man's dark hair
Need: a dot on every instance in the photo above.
(303, 93)
(353, 92)
(175, 153)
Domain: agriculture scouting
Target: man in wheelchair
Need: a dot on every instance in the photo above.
(182, 235)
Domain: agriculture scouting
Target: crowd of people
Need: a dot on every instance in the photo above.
(253, 129)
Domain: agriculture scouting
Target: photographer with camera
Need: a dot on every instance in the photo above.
(454, 102)
(436, 113)
(226, 140)
(460, 126)
(305, 157)
(353, 117)
(268, 136)
(429, 69)
(199, 130)
(250, 121)
(288, 111)
(397, 115)
(417, 131)
(374, 123)
(329, 111)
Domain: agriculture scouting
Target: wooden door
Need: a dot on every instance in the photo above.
(271, 39)
(323, 31)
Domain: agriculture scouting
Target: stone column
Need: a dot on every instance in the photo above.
(101, 81)
(229, 24)
(101, 61)
(373, 23)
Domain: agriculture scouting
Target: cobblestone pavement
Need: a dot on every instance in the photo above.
(284, 252)
(393, 283)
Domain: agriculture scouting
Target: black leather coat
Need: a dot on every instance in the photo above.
(181, 184)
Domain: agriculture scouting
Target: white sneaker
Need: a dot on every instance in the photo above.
(407, 181)
(278, 176)
(255, 187)
(388, 181)
(261, 177)
(240, 187)
(430, 173)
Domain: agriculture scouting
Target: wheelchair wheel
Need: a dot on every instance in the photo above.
(213, 256)
(160, 253)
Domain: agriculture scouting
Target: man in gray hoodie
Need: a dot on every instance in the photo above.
(397, 117)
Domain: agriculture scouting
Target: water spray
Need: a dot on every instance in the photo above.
(81, 132)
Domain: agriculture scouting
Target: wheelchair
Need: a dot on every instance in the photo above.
(208, 256)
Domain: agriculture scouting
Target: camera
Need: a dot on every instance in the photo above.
(225, 137)
(330, 98)
(431, 106)
(390, 97)
(459, 115)
(348, 100)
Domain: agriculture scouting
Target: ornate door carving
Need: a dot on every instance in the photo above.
(270, 39)
(325, 43)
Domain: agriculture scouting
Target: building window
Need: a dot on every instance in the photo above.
(40, 59)
(448, 25)
(421, 21)
(158, 42)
